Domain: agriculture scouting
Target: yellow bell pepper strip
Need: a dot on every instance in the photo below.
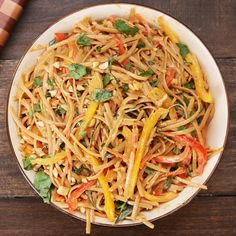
(92, 108)
(95, 83)
(171, 34)
(126, 132)
(147, 128)
(193, 64)
(160, 98)
(109, 202)
(165, 197)
(198, 78)
(51, 160)
(73, 199)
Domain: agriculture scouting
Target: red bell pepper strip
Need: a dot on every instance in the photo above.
(60, 36)
(72, 200)
(173, 158)
(170, 76)
(202, 158)
(120, 44)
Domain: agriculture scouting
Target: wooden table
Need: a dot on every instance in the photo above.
(212, 212)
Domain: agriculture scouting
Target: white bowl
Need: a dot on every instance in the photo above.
(217, 131)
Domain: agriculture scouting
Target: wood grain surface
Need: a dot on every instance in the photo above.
(212, 212)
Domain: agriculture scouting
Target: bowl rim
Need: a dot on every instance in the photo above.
(8, 100)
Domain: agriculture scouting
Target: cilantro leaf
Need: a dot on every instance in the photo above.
(27, 163)
(189, 85)
(133, 30)
(101, 95)
(38, 82)
(154, 83)
(84, 40)
(151, 63)
(126, 87)
(147, 73)
(123, 28)
(182, 127)
(83, 170)
(186, 100)
(106, 80)
(128, 66)
(110, 61)
(42, 183)
(77, 71)
(141, 44)
(36, 107)
(48, 95)
(183, 49)
(60, 111)
(50, 83)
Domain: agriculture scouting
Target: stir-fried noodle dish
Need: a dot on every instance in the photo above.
(113, 118)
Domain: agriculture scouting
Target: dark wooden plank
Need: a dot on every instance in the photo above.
(12, 182)
(213, 21)
(203, 216)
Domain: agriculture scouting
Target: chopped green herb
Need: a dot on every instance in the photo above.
(149, 37)
(36, 107)
(99, 49)
(60, 111)
(190, 85)
(53, 41)
(151, 63)
(134, 30)
(101, 95)
(168, 183)
(183, 49)
(128, 66)
(50, 83)
(31, 113)
(124, 210)
(122, 27)
(120, 206)
(182, 127)
(77, 71)
(141, 44)
(27, 163)
(176, 151)
(147, 73)
(38, 82)
(62, 146)
(149, 171)
(42, 183)
(110, 61)
(83, 170)
(84, 40)
(106, 80)
(186, 100)
(140, 69)
(154, 83)
(126, 88)
(48, 95)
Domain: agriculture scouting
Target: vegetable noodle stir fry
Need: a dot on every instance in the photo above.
(113, 117)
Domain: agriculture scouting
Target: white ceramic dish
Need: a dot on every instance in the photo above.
(217, 132)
